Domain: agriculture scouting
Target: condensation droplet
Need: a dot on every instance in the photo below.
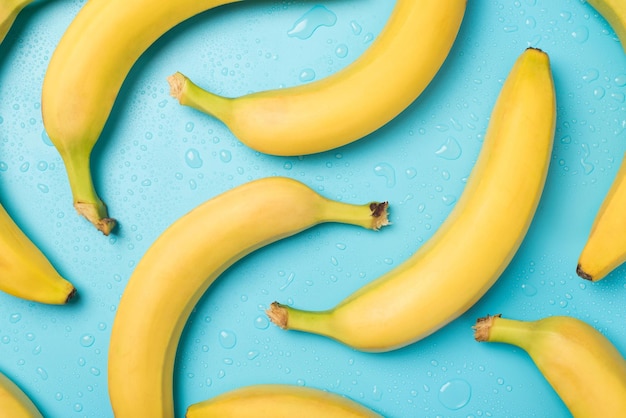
(225, 155)
(529, 289)
(42, 373)
(387, 171)
(306, 75)
(455, 394)
(580, 34)
(450, 150)
(15, 318)
(261, 322)
(306, 25)
(87, 340)
(341, 50)
(192, 158)
(227, 339)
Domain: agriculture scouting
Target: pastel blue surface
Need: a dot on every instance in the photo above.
(157, 160)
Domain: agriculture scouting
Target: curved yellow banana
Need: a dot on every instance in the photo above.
(585, 369)
(276, 400)
(349, 104)
(85, 74)
(9, 9)
(605, 248)
(470, 250)
(185, 260)
(614, 11)
(14, 403)
(25, 272)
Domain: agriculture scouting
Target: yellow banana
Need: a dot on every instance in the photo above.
(185, 260)
(471, 249)
(349, 104)
(25, 271)
(605, 248)
(276, 400)
(14, 403)
(585, 369)
(9, 9)
(86, 71)
(614, 11)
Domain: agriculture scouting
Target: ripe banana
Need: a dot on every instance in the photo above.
(605, 248)
(14, 403)
(185, 260)
(9, 9)
(25, 272)
(349, 104)
(471, 249)
(276, 400)
(85, 74)
(614, 11)
(585, 369)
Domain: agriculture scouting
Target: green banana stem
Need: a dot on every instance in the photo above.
(189, 94)
(496, 329)
(9, 9)
(286, 317)
(86, 200)
(336, 211)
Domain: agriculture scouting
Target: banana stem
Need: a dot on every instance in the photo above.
(371, 216)
(289, 318)
(496, 329)
(86, 200)
(189, 94)
(9, 9)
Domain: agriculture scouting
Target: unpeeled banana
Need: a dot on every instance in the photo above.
(9, 9)
(185, 260)
(85, 74)
(25, 272)
(14, 403)
(614, 11)
(473, 246)
(605, 248)
(585, 369)
(278, 400)
(349, 104)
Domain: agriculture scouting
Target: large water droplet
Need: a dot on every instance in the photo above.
(387, 171)
(306, 25)
(455, 394)
(192, 158)
(450, 150)
(228, 339)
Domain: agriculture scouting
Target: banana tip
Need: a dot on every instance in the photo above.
(482, 327)
(380, 214)
(277, 313)
(176, 82)
(583, 274)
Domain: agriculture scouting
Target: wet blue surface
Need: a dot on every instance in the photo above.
(157, 160)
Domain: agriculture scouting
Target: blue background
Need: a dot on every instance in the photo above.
(157, 160)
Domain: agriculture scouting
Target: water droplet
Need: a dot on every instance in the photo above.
(58, 396)
(591, 75)
(306, 75)
(227, 339)
(261, 322)
(15, 318)
(288, 281)
(377, 394)
(580, 34)
(599, 92)
(3, 166)
(450, 150)
(410, 172)
(46, 139)
(42, 166)
(620, 80)
(225, 155)
(252, 355)
(192, 158)
(356, 28)
(78, 407)
(43, 188)
(306, 25)
(87, 340)
(341, 51)
(24, 167)
(448, 199)
(387, 171)
(189, 126)
(529, 289)
(94, 371)
(455, 394)
(42, 373)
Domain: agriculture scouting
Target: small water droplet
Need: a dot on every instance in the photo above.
(306, 75)
(591, 75)
(87, 340)
(42, 373)
(455, 394)
(306, 25)
(341, 51)
(387, 171)
(620, 80)
(261, 322)
(3, 166)
(599, 92)
(227, 339)
(46, 139)
(580, 34)
(43, 188)
(192, 158)
(529, 289)
(189, 126)
(15, 318)
(94, 371)
(356, 28)
(24, 167)
(225, 155)
(450, 150)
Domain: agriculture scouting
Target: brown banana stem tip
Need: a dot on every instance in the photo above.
(71, 295)
(379, 213)
(176, 82)
(278, 314)
(482, 327)
(581, 273)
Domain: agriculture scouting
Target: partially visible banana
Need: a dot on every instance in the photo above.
(85, 74)
(614, 11)
(14, 403)
(278, 400)
(473, 246)
(9, 9)
(605, 248)
(585, 369)
(25, 272)
(349, 104)
(185, 260)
